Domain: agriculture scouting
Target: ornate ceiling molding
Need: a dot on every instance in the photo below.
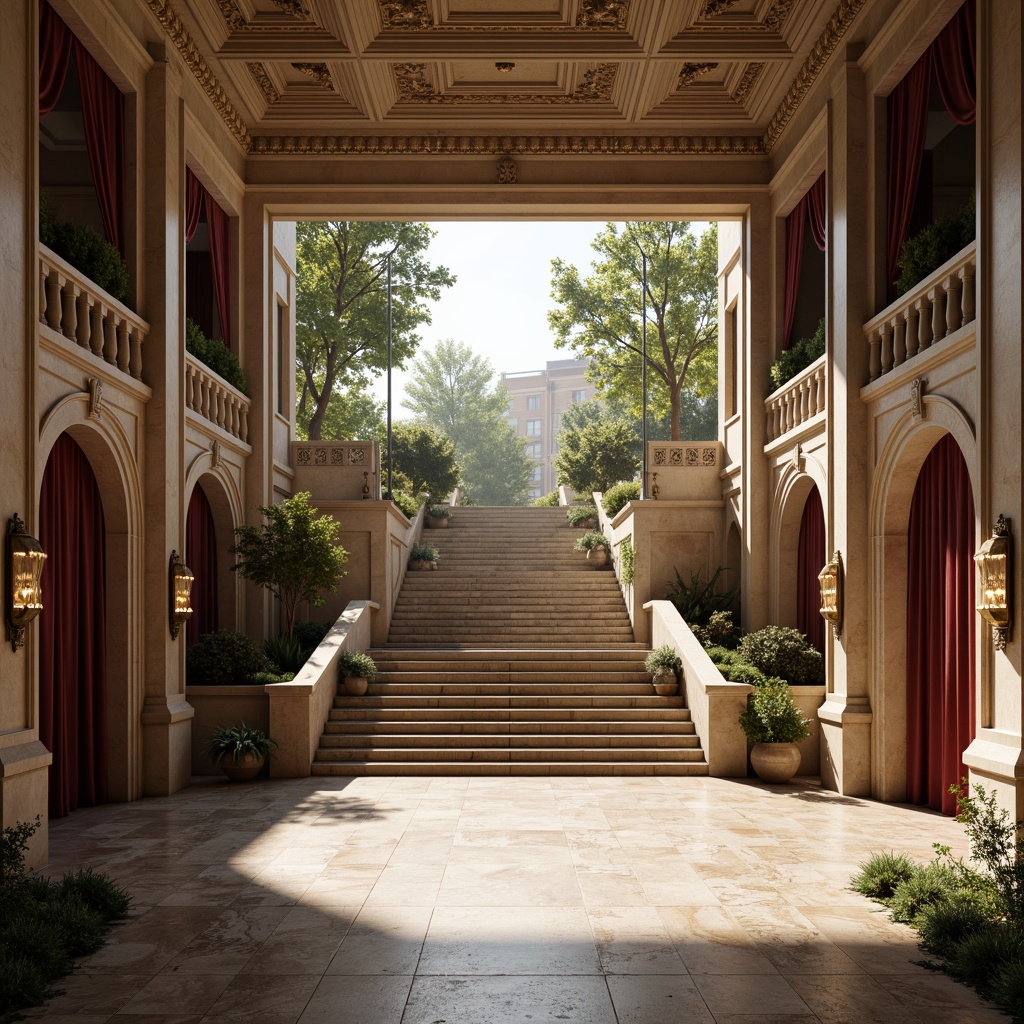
(777, 15)
(232, 14)
(201, 71)
(842, 18)
(774, 20)
(505, 145)
(602, 14)
(751, 74)
(320, 74)
(292, 7)
(406, 14)
(591, 16)
(691, 72)
(595, 86)
(712, 8)
(267, 87)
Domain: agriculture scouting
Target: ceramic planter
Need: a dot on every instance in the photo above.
(420, 564)
(355, 686)
(665, 684)
(439, 523)
(248, 767)
(598, 557)
(775, 762)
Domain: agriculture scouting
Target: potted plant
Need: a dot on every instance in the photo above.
(664, 665)
(423, 556)
(596, 546)
(240, 751)
(437, 517)
(583, 516)
(357, 671)
(774, 724)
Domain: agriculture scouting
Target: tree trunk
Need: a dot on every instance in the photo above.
(316, 421)
(676, 409)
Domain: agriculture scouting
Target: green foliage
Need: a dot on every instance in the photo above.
(266, 678)
(926, 887)
(97, 892)
(424, 553)
(980, 956)
(14, 842)
(293, 554)
(215, 355)
(771, 715)
(720, 631)
(627, 562)
(932, 246)
(582, 515)
(549, 500)
(86, 250)
(237, 741)
(784, 652)
(427, 457)
(697, 600)
(733, 666)
(664, 656)
(590, 541)
(797, 357)
(439, 512)
(352, 414)
(357, 664)
(341, 306)
(948, 922)
(407, 503)
(310, 635)
(224, 658)
(599, 317)
(285, 652)
(1007, 989)
(598, 455)
(616, 498)
(879, 877)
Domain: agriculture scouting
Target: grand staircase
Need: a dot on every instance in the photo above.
(515, 657)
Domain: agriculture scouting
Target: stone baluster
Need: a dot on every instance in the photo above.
(899, 341)
(69, 324)
(53, 305)
(875, 354)
(84, 316)
(938, 315)
(886, 330)
(123, 331)
(113, 321)
(243, 431)
(135, 355)
(911, 318)
(952, 289)
(43, 271)
(967, 293)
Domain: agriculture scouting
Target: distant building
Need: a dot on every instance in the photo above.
(537, 399)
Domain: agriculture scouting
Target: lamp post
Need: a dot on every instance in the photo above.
(643, 377)
(389, 493)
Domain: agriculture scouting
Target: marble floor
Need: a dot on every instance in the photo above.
(502, 901)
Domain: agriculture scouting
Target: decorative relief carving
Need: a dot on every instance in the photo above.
(705, 456)
(304, 456)
(415, 15)
(215, 454)
(691, 72)
(412, 82)
(203, 73)
(712, 8)
(777, 15)
(292, 7)
(332, 454)
(267, 87)
(602, 14)
(797, 458)
(917, 397)
(232, 15)
(595, 86)
(320, 74)
(842, 18)
(495, 145)
(357, 456)
(405, 14)
(95, 397)
(508, 173)
(751, 74)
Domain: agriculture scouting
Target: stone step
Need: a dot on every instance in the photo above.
(600, 719)
(536, 656)
(483, 701)
(509, 754)
(536, 768)
(487, 688)
(510, 727)
(441, 740)
(496, 677)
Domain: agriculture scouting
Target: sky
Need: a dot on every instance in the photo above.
(498, 305)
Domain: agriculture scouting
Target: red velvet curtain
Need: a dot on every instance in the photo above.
(218, 224)
(940, 628)
(201, 558)
(815, 200)
(810, 209)
(811, 557)
(54, 56)
(72, 631)
(953, 57)
(194, 193)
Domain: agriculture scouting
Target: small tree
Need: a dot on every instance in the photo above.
(598, 455)
(294, 554)
(426, 457)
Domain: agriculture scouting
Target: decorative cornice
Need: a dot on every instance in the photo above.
(691, 72)
(776, 17)
(267, 87)
(292, 7)
(203, 73)
(320, 74)
(232, 14)
(406, 14)
(602, 14)
(773, 21)
(508, 173)
(712, 8)
(519, 145)
(842, 18)
(595, 86)
(751, 74)
(591, 16)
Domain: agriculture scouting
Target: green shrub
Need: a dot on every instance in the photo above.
(771, 715)
(662, 657)
(439, 512)
(1007, 989)
(23, 981)
(720, 631)
(932, 246)
(627, 562)
(224, 658)
(216, 355)
(616, 498)
(547, 501)
(284, 651)
(356, 664)
(590, 541)
(407, 503)
(934, 883)
(82, 929)
(942, 925)
(979, 957)
(424, 553)
(879, 877)
(797, 357)
(697, 601)
(97, 892)
(582, 515)
(310, 635)
(238, 741)
(265, 678)
(784, 652)
(13, 843)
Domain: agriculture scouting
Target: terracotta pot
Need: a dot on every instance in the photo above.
(775, 762)
(241, 771)
(439, 523)
(598, 556)
(420, 564)
(586, 524)
(355, 686)
(665, 684)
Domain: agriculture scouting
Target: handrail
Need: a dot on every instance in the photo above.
(86, 315)
(797, 401)
(212, 398)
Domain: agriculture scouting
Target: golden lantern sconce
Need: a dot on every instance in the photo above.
(23, 594)
(994, 581)
(831, 580)
(181, 594)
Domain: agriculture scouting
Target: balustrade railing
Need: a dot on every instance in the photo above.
(797, 401)
(212, 398)
(84, 314)
(941, 304)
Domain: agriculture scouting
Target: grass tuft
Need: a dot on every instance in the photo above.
(879, 877)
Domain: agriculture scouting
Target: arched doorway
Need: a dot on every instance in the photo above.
(201, 556)
(940, 627)
(810, 558)
(72, 659)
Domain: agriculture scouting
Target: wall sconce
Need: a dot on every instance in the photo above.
(23, 595)
(181, 594)
(831, 580)
(994, 568)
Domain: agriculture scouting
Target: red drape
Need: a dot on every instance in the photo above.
(953, 57)
(194, 193)
(810, 209)
(218, 224)
(811, 557)
(201, 558)
(72, 631)
(815, 199)
(54, 56)
(940, 628)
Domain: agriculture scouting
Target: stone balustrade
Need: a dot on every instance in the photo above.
(941, 304)
(212, 398)
(87, 316)
(797, 401)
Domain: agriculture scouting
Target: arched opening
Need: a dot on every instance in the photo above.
(940, 627)
(201, 556)
(811, 557)
(72, 659)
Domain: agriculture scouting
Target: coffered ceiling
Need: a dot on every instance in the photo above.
(720, 76)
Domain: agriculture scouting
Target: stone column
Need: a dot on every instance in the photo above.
(995, 758)
(845, 717)
(166, 715)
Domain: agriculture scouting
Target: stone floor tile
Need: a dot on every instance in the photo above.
(850, 999)
(303, 943)
(749, 993)
(633, 940)
(263, 998)
(658, 1000)
(358, 1000)
(382, 940)
(101, 994)
(186, 993)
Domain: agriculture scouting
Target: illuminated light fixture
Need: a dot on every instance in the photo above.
(504, 66)
(994, 581)
(23, 595)
(831, 580)
(181, 594)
